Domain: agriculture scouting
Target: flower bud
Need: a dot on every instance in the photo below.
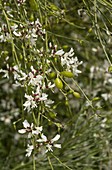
(52, 75)
(58, 83)
(67, 74)
(76, 94)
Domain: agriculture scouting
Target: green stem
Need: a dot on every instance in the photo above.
(12, 43)
(83, 93)
(98, 32)
(46, 21)
(49, 160)
(38, 119)
(34, 118)
(33, 156)
(61, 162)
(55, 68)
(34, 164)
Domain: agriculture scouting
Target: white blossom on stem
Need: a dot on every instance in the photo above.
(27, 128)
(29, 150)
(30, 129)
(49, 143)
(6, 73)
(59, 52)
(35, 80)
(30, 103)
(68, 61)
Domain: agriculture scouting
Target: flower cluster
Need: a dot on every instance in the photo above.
(42, 144)
(34, 80)
(5, 35)
(29, 32)
(20, 2)
(67, 59)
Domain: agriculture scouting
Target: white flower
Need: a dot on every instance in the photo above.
(37, 130)
(20, 2)
(50, 44)
(59, 52)
(29, 150)
(49, 148)
(33, 33)
(6, 73)
(76, 71)
(19, 74)
(35, 80)
(5, 37)
(51, 85)
(33, 41)
(49, 143)
(14, 27)
(23, 75)
(48, 102)
(38, 90)
(26, 124)
(71, 52)
(30, 129)
(2, 38)
(43, 97)
(32, 69)
(30, 103)
(16, 75)
(70, 62)
(57, 145)
(27, 128)
(42, 139)
(17, 34)
(55, 138)
(37, 22)
(63, 61)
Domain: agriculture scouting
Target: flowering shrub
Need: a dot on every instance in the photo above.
(56, 81)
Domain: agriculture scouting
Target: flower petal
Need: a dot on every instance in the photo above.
(57, 145)
(22, 131)
(29, 150)
(55, 138)
(60, 52)
(26, 124)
